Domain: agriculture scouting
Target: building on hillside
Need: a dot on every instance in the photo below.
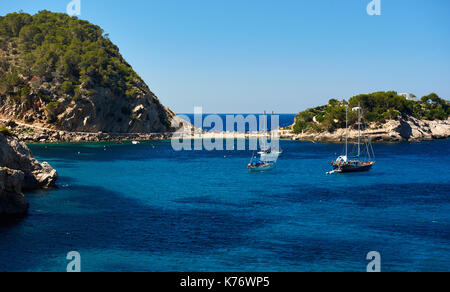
(409, 96)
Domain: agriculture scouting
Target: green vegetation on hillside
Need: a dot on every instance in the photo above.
(377, 107)
(5, 131)
(73, 55)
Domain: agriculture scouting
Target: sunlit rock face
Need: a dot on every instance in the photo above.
(19, 170)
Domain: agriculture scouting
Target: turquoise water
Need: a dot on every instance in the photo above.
(148, 208)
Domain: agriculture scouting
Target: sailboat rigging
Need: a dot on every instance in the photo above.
(267, 156)
(356, 163)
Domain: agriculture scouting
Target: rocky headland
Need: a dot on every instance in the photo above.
(386, 116)
(62, 75)
(402, 130)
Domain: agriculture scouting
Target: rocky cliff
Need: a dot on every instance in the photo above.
(12, 200)
(62, 73)
(19, 170)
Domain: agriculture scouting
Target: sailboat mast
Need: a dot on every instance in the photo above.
(346, 132)
(359, 129)
(265, 131)
(271, 129)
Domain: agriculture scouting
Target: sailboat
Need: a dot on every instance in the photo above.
(267, 156)
(257, 165)
(355, 163)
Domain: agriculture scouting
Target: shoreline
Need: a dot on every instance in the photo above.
(394, 131)
(168, 139)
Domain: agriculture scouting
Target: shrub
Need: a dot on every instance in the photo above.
(25, 91)
(52, 106)
(5, 131)
(50, 110)
(68, 88)
(300, 126)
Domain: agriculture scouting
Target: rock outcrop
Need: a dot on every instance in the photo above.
(402, 130)
(12, 200)
(19, 170)
(16, 155)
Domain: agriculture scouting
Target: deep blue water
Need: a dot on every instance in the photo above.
(148, 208)
(285, 120)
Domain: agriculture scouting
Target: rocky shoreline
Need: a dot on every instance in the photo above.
(48, 136)
(20, 171)
(393, 131)
(37, 134)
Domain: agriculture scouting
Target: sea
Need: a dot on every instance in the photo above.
(147, 207)
(262, 121)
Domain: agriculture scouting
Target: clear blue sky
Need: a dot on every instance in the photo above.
(285, 55)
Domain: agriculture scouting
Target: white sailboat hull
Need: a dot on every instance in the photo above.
(262, 167)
